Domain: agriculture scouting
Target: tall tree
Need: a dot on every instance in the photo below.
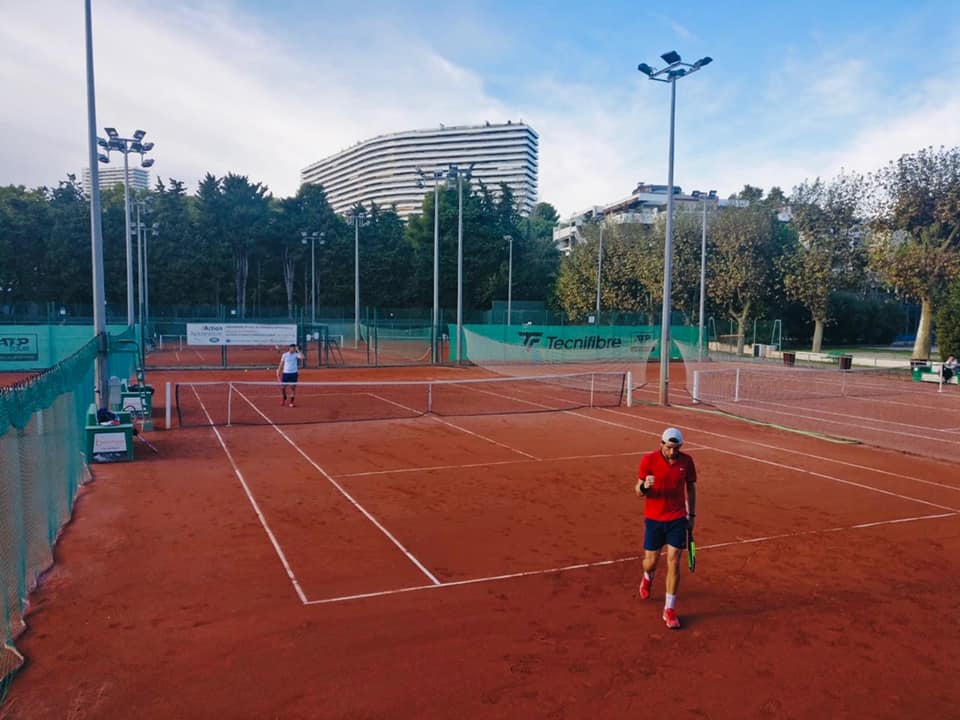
(742, 260)
(915, 245)
(828, 254)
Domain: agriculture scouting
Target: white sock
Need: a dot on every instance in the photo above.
(648, 576)
(670, 602)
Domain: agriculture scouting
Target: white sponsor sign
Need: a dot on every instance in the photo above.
(104, 442)
(240, 334)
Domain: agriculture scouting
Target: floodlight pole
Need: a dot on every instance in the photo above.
(509, 239)
(703, 276)
(599, 266)
(459, 266)
(356, 280)
(96, 229)
(436, 267)
(126, 146)
(674, 70)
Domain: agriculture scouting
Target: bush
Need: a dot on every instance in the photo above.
(855, 320)
(948, 323)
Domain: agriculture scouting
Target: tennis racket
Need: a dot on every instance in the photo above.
(691, 551)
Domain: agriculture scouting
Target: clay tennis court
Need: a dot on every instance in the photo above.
(485, 566)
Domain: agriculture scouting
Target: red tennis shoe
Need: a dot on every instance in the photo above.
(671, 619)
(644, 588)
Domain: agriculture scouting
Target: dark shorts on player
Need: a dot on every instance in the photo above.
(289, 377)
(657, 534)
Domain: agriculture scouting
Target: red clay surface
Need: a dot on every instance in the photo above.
(495, 560)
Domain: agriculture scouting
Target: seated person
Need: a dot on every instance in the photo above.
(949, 368)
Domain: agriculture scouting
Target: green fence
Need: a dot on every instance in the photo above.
(42, 464)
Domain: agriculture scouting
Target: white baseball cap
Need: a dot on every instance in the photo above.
(672, 436)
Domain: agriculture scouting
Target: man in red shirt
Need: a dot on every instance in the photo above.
(667, 478)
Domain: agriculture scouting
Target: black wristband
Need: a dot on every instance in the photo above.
(691, 514)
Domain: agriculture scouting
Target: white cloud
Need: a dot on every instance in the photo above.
(220, 90)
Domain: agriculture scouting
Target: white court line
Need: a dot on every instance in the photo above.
(784, 449)
(253, 502)
(618, 561)
(348, 496)
(815, 474)
(792, 412)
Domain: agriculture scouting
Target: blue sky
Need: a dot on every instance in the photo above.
(796, 90)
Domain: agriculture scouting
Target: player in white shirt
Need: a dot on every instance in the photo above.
(288, 372)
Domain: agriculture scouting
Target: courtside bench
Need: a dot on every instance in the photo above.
(931, 373)
(108, 442)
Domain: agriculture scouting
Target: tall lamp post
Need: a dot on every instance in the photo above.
(96, 229)
(712, 195)
(312, 237)
(509, 239)
(126, 146)
(435, 341)
(674, 70)
(358, 215)
(598, 216)
(142, 209)
(460, 175)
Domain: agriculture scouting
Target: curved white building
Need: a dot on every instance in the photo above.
(384, 169)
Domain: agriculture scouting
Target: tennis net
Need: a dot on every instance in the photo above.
(257, 403)
(743, 384)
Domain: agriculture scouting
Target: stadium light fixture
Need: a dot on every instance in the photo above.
(126, 146)
(674, 70)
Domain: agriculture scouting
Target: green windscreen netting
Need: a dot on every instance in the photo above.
(41, 467)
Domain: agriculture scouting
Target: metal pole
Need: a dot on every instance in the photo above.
(129, 242)
(435, 351)
(146, 277)
(96, 229)
(510, 282)
(599, 270)
(667, 263)
(703, 277)
(139, 267)
(313, 279)
(459, 265)
(356, 281)
(140, 284)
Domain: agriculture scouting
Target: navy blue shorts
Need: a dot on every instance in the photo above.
(657, 534)
(289, 377)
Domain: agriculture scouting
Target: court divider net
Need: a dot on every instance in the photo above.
(260, 403)
(744, 384)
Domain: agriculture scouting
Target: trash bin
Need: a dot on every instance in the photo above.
(789, 358)
(846, 362)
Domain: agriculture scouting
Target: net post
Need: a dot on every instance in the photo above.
(696, 386)
(229, 403)
(430, 397)
(736, 387)
(593, 379)
(629, 380)
(166, 412)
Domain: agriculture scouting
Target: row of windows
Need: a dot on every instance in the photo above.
(385, 169)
